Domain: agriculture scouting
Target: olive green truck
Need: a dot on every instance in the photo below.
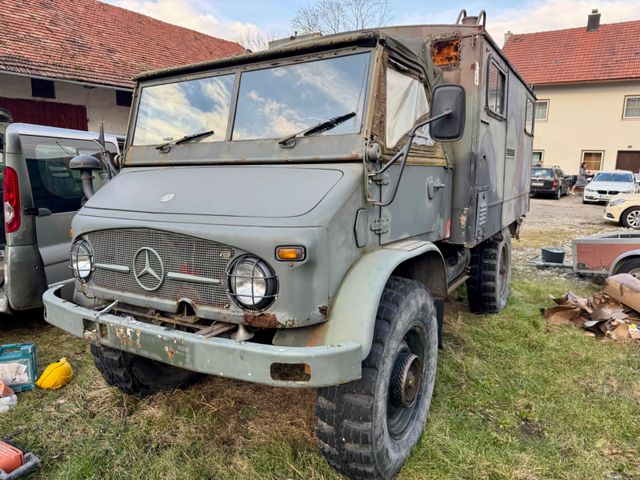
(297, 216)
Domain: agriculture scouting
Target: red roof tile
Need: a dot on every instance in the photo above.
(94, 42)
(612, 52)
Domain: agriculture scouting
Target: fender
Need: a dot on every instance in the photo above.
(353, 311)
(624, 256)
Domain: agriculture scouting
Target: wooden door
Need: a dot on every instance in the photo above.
(628, 160)
(52, 114)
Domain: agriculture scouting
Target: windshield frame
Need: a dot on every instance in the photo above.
(257, 150)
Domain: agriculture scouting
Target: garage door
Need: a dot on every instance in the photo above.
(52, 114)
(628, 160)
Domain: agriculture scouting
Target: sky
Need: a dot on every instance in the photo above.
(233, 20)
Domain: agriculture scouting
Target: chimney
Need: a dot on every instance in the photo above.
(594, 21)
(507, 35)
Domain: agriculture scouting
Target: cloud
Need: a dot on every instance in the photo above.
(191, 14)
(536, 15)
(554, 15)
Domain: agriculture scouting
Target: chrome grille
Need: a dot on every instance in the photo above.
(180, 254)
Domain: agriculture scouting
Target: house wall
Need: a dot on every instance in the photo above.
(586, 117)
(100, 102)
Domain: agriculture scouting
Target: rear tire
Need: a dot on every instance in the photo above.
(490, 276)
(136, 375)
(367, 428)
(558, 194)
(630, 218)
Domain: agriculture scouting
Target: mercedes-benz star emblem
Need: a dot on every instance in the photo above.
(148, 269)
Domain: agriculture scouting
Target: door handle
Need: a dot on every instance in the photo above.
(37, 212)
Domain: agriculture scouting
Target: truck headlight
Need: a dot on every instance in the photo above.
(82, 259)
(252, 283)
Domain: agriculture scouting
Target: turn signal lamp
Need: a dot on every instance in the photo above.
(290, 254)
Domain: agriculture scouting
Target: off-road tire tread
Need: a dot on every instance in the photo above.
(482, 285)
(345, 424)
(117, 369)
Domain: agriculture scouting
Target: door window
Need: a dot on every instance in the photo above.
(496, 87)
(406, 103)
(53, 184)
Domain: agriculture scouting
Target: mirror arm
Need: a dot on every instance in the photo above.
(403, 154)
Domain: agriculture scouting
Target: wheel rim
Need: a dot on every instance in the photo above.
(633, 218)
(405, 383)
(503, 269)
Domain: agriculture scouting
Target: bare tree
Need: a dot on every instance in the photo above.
(333, 16)
(255, 39)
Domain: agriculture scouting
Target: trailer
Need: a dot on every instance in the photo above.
(607, 254)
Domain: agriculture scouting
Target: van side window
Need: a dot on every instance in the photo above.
(529, 117)
(406, 102)
(496, 90)
(53, 184)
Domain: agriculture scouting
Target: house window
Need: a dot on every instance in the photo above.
(123, 98)
(537, 157)
(528, 118)
(592, 159)
(495, 90)
(42, 88)
(631, 107)
(542, 110)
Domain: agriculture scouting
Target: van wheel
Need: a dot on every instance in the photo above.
(136, 375)
(490, 276)
(367, 428)
(631, 218)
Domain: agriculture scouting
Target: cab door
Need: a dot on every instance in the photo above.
(56, 194)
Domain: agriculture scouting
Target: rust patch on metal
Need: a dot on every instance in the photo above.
(170, 352)
(446, 52)
(261, 320)
(323, 310)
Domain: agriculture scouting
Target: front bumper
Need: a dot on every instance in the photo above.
(253, 362)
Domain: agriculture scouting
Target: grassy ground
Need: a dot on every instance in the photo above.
(514, 399)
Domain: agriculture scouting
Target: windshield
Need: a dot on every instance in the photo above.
(542, 173)
(613, 177)
(172, 111)
(272, 103)
(280, 101)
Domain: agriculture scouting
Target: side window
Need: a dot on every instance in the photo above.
(406, 102)
(528, 117)
(53, 184)
(496, 90)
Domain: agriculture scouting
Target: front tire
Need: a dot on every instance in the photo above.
(136, 375)
(367, 428)
(630, 218)
(489, 280)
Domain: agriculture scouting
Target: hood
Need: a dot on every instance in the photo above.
(618, 186)
(227, 191)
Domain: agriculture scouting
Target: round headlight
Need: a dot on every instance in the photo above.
(81, 259)
(252, 283)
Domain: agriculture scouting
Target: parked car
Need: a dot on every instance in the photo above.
(41, 195)
(624, 209)
(550, 181)
(608, 184)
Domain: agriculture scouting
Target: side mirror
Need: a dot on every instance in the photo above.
(450, 98)
(86, 164)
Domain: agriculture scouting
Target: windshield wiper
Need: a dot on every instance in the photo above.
(319, 128)
(186, 138)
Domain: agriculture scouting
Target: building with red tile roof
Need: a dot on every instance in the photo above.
(59, 54)
(587, 80)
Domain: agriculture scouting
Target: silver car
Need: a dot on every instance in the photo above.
(605, 185)
(41, 195)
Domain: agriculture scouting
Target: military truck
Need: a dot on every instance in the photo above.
(296, 217)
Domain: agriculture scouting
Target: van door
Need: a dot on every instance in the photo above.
(57, 190)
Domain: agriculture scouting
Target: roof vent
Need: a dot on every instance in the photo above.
(594, 21)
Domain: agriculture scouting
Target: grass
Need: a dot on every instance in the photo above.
(515, 399)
